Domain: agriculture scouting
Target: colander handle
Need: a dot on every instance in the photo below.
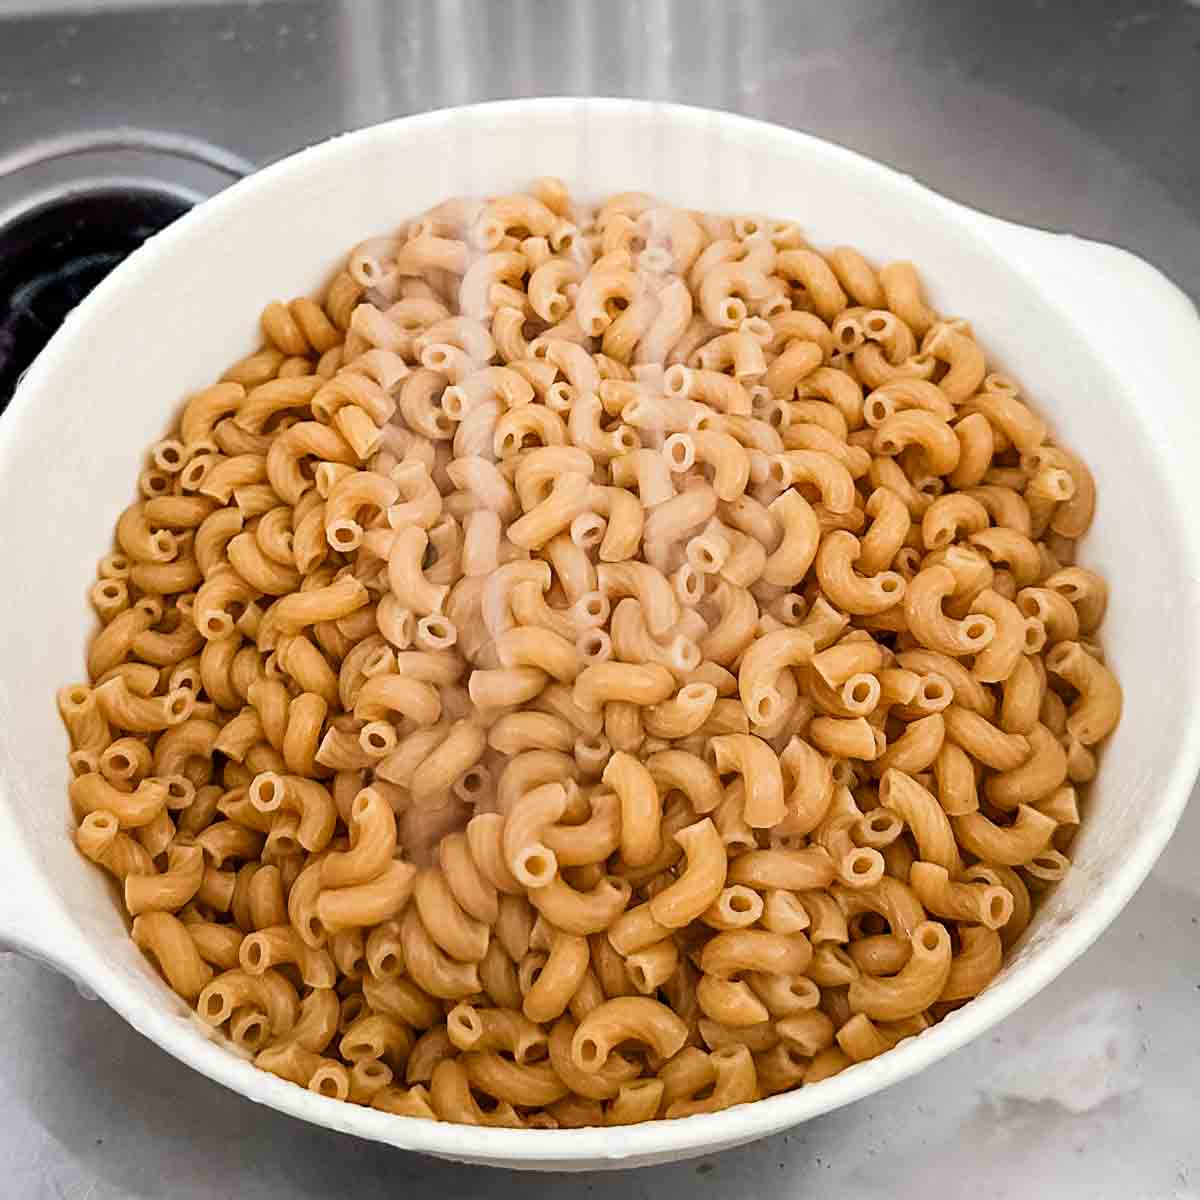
(1146, 329)
(32, 921)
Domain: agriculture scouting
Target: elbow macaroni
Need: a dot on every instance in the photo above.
(582, 628)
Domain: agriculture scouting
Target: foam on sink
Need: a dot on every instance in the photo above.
(1088, 1056)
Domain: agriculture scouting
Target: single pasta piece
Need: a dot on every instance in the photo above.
(757, 765)
(914, 987)
(626, 1018)
(641, 810)
(699, 884)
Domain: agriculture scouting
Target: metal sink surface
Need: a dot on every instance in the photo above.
(1080, 116)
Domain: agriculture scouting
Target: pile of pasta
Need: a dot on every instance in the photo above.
(594, 665)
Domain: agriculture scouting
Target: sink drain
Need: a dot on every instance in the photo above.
(56, 250)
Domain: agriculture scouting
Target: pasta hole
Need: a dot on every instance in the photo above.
(214, 1006)
(766, 707)
(676, 379)
(253, 1033)
(254, 953)
(679, 453)
(538, 868)
(589, 1051)
(872, 923)
(860, 693)
(81, 762)
(739, 903)
(591, 645)
(467, 1022)
(975, 630)
(877, 410)
(388, 964)
(930, 941)
(266, 793)
(327, 1085)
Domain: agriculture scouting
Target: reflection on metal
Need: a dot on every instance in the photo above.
(178, 145)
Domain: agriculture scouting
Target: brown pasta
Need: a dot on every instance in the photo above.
(591, 667)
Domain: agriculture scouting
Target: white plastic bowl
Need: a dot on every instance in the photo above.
(1104, 345)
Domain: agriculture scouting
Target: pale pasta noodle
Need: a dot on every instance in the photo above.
(592, 666)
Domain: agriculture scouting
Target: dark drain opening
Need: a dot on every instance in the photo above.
(52, 255)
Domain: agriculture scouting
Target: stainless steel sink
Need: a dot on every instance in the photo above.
(1033, 112)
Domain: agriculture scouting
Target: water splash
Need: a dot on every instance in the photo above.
(1089, 1056)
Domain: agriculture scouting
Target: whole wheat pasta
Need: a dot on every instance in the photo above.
(585, 627)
